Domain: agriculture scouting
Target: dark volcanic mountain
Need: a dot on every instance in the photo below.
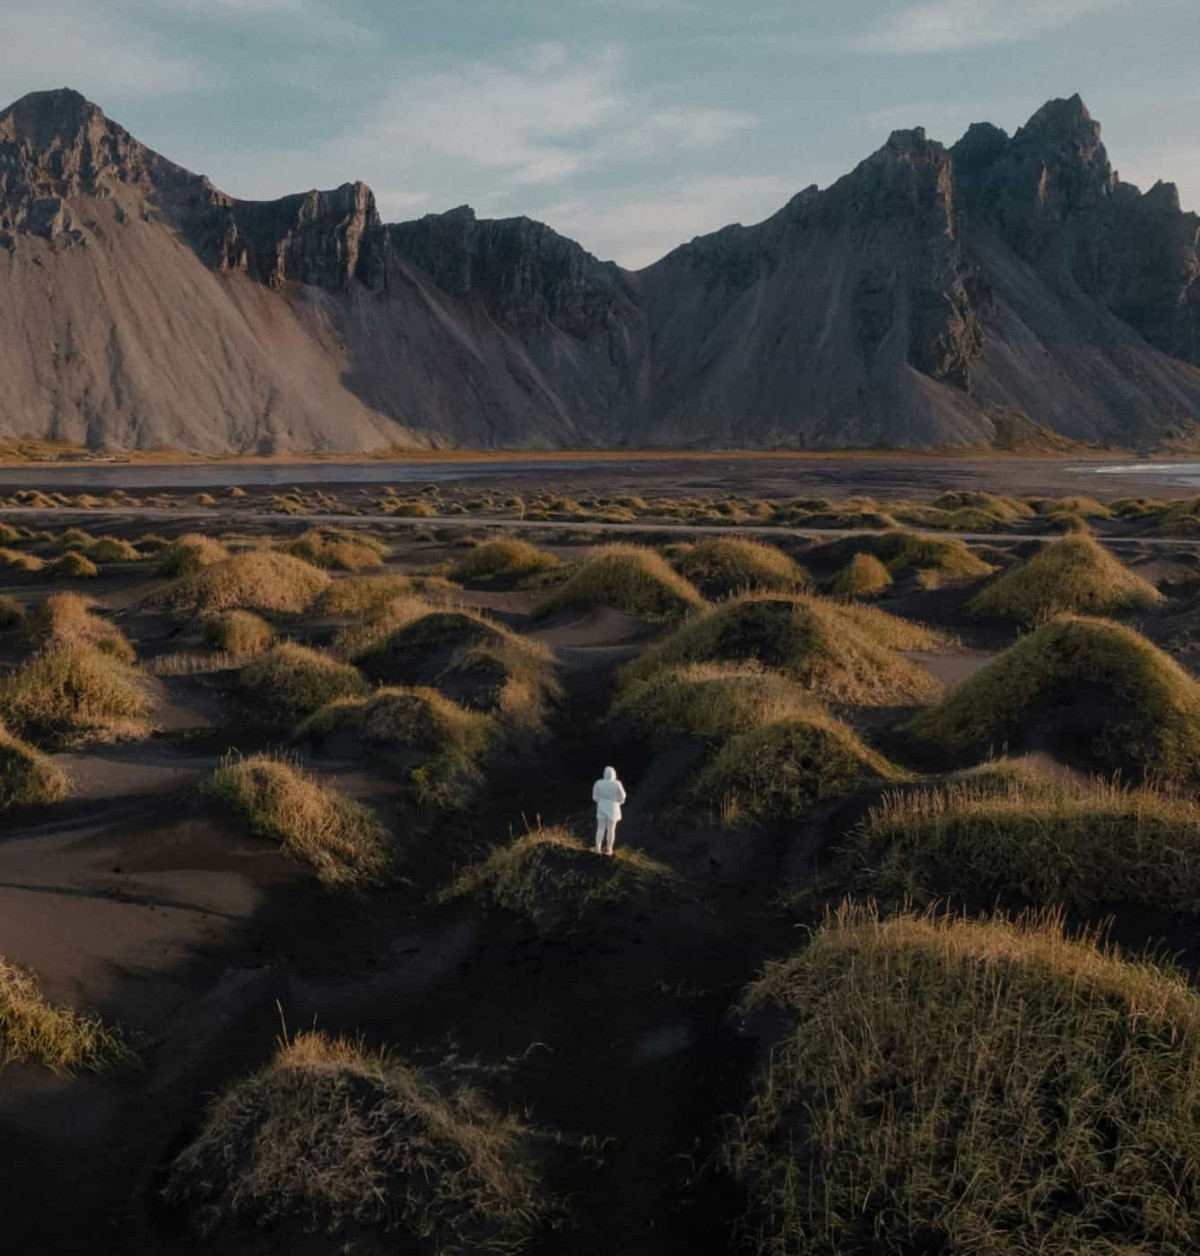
(932, 296)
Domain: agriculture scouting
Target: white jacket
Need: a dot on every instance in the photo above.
(608, 794)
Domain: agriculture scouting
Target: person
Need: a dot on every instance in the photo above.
(608, 794)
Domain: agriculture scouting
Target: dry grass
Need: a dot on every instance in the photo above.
(979, 1086)
(379, 622)
(338, 836)
(1075, 574)
(1038, 842)
(70, 693)
(338, 550)
(32, 1031)
(779, 771)
(863, 576)
(555, 880)
(710, 700)
(332, 1134)
(441, 745)
(73, 566)
(1114, 701)
(261, 581)
(506, 559)
(111, 549)
(936, 560)
(238, 633)
(843, 653)
(21, 562)
(292, 680)
(12, 614)
(629, 578)
(188, 553)
(363, 595)
(27, 776)
(722, 566)
(70, 619)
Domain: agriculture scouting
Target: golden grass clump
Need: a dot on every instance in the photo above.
(504, 558)
(111, 549)
(33, 1031)
(710, 700)
(843, 653)
(1007, 510)
(73, 566)
(778, 771)
(331, 1134)
(338, 836)
(72, 539)
(28, 777)
(70, 619)
(379, 622)
(985, 1086)
(722, 566)
(70, 693)
(863, 576)
(555, 880)
(473, 659)
(259, 580)
(362, 595)
(21, 562)
(1106, 696)
(1034, 841)
(293, 680)
(630, 578)
(237, 633)
(440, 744)
(188, 553)
(1074, 575)
(339, 550)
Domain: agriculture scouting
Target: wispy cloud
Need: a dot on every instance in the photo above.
(946, 25)
(538, 117)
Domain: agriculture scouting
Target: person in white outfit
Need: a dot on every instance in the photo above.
(608, 794)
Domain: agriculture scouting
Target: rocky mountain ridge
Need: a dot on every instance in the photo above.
(928, 297)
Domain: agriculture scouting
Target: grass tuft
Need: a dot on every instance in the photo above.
(1074, 575)
(338, 836)
(27, 776)
(986, 1086)
(293, 680)
(362, 595)
(504, 558)
(70, 619)
(630, 578)
(237, 633)
(73, 566)
(261, 580)
(332, 1134)
(335, 549)
(863, 576)
(188, 553)
(722, 566)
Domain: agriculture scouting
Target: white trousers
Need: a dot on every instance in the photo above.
(606, 834)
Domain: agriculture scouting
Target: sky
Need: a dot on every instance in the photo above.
(629, 125)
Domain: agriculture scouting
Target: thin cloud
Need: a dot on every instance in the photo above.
(948, 25)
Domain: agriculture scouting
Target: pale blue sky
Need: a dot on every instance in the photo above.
(631, 125)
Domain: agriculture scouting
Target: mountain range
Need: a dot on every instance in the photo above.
(1005, 290)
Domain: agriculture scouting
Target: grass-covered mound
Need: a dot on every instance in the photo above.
(935, 560)
(971, 1086)
(188, 553)
(1007, 510)
(33, 1031)
(1099, 694)
(337, 835)
(237, 632)
(863, 576)
(722, 566)
(844, 653)
(710, 700)
(261, 580)
(71, 619)
(12, 614)
(1073, 575)
(440, 744)
(473, 659)
(20, 562)
(339, 550)
(779, 771)
(332, 1135)
(70, 693)
(359, 595)
(73, 566)
(26, 775)
(376, 623)
(1034, 841)
(111, 549)
(503, 559)
(629, 578)
(554, 880)
(292, 680)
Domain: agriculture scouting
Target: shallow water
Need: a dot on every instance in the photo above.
(104, 476)
(1168, 472)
